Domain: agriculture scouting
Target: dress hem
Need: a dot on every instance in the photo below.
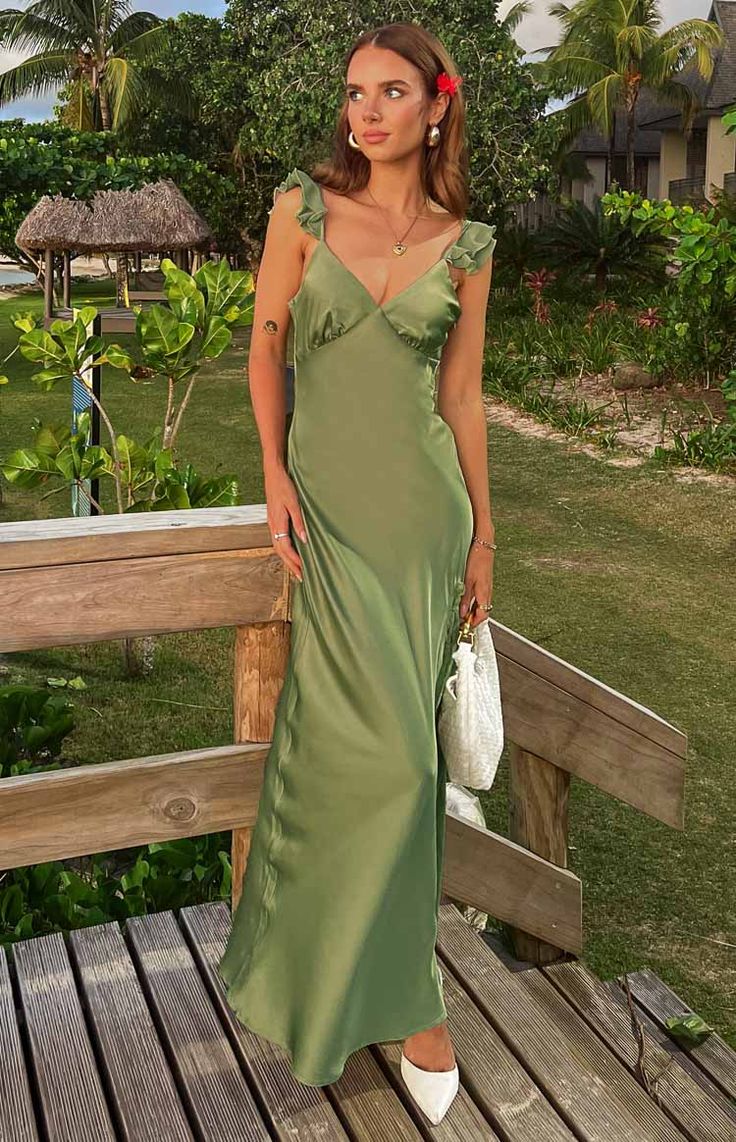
(251, 1026)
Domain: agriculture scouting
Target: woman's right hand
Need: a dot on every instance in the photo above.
(282, 504)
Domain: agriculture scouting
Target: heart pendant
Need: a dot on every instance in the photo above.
(399, 248)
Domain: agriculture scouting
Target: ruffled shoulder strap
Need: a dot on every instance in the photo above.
(474, 246)
(312, 210)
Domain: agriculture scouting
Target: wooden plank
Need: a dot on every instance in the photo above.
(463, 1121)
(211, 1083)
(17, 1120)
(126, 598)
(148, 1108)
(294, 1111)
(713, 1055)
(118, 804)
(571, 733)
(112, 536)
(591, 1108)
(584, 1042)
(537, 660)
(497, 876)
(360, 1094)
(727, 1105)
(368, 1105)
(95, 808)
(494, 1077)
(699, 1118)
(70, 1098)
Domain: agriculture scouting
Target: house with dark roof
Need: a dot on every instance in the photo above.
(693, 164)
(669, 162)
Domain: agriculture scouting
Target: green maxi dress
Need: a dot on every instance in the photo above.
(332, 944)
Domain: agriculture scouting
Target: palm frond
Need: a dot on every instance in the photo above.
(604, 97)
(144, 47)
(580, 71)
(134, 25)
(682, 97)
(37, 75)
(574, 117)
(124, 87)
(516, 14)
(31, 32)
(637, 39)
(71, 14)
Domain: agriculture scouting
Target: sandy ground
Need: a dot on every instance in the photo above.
(637, 413)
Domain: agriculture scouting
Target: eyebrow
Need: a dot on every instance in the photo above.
(384, 83)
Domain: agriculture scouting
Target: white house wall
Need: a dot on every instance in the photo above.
(720, 155)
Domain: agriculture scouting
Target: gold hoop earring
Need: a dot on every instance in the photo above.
(433, 139)
(353, 142)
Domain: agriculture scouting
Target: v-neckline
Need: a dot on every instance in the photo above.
(379, 306)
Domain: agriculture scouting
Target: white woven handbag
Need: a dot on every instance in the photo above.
(470, 723)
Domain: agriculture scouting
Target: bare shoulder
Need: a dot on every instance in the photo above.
(286, 203)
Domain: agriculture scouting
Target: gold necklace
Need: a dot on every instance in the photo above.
(398, 246)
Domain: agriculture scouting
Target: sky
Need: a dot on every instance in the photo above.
(537, 30)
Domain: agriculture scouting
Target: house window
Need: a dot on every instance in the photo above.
(641, 172)
(696, 149)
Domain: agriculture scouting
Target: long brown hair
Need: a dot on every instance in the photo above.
(444, 169)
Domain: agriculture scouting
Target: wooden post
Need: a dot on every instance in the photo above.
(48, 282)
(538, 814)
(67, 279)
(261, 656)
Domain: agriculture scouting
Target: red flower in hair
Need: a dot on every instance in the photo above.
(448, 83)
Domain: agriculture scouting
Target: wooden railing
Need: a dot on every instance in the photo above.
(73, 581)
(684, 190)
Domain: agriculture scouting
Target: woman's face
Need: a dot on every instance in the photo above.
(386, 95)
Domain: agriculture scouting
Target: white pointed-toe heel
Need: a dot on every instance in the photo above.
(433, 1091)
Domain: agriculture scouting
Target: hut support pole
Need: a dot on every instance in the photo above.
(48, 282)
(122, 301)
(67, 279)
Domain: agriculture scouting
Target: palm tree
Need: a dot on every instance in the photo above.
(93, 48)
(610, 50)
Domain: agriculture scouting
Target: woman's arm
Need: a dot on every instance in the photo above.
(279, 276)
(460, 403)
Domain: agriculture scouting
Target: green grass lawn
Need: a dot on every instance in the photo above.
(624, 572)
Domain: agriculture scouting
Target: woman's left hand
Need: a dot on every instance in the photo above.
(478, 582)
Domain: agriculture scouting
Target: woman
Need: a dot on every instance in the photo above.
(381, 512)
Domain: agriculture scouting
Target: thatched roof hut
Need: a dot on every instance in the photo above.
(156, 217)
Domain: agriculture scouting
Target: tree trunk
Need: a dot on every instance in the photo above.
(611, 150)
(104, 108)
(121, 280)
(630, 128)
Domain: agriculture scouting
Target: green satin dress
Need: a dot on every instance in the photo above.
(333, 942)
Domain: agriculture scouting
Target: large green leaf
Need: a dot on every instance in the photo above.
(216, 338)
(160, 331)
(39, 345)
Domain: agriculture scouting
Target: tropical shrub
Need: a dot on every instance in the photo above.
(172, 345)
(580, 241)
(700, 304)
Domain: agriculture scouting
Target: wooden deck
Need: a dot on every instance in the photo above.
(124, 1033)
